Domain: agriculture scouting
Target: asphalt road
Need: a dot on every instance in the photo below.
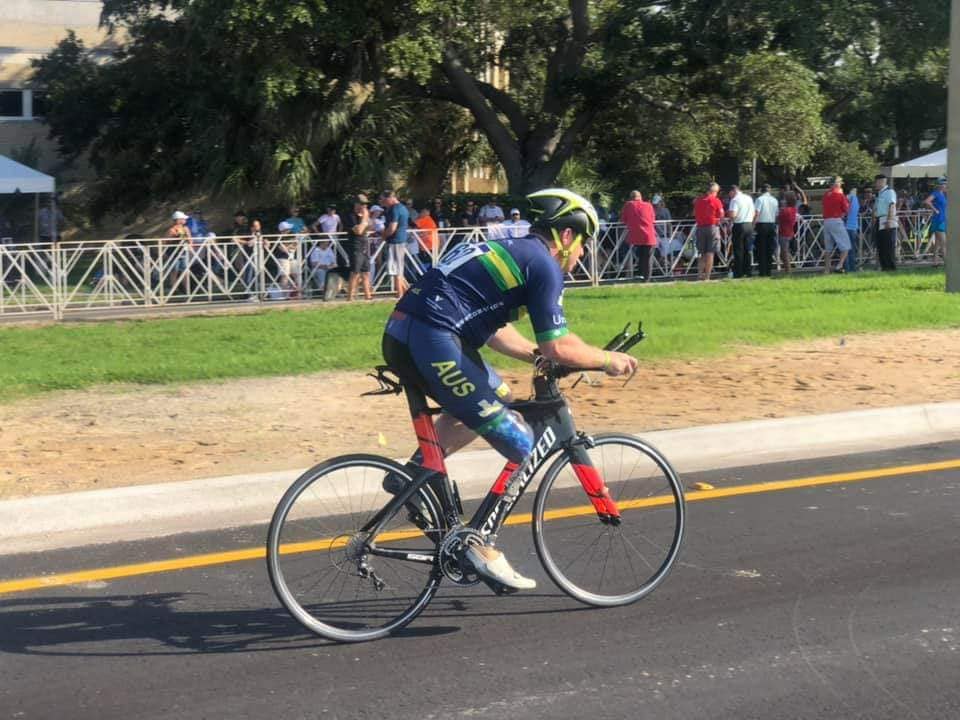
(834, 601)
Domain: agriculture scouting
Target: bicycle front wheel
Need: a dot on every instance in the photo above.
(607, 563)
(337, 576)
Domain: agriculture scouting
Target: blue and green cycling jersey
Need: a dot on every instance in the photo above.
(477, 288)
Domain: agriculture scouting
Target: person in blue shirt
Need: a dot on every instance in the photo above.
(937, 202)
(296, 223)
(853, 230)
(397, 221)
(196, 224)
(469, 300)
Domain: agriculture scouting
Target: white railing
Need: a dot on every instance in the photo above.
(87, 277)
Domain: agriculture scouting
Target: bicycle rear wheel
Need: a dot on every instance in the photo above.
(329, 572)
(597, 562)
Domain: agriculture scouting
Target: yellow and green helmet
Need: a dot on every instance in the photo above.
(555, 209)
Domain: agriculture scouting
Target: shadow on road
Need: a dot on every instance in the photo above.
(191, 623)
(85, 626)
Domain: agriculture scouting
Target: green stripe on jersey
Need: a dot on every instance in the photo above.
(551, 334)
(508, 260)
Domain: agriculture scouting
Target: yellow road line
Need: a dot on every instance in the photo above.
(222, 558)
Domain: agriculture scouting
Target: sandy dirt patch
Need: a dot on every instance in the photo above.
(125, 435)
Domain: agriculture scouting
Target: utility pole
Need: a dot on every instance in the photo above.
(952, 261)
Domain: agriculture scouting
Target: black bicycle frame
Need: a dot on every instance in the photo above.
(553, 426)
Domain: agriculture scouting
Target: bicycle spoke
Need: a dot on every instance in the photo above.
(584, 558)
(337, 498)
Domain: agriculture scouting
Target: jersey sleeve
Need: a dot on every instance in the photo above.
(545, 301)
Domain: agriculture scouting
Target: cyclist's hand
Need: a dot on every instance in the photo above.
(620, 364)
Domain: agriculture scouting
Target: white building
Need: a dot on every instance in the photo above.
(30, 29)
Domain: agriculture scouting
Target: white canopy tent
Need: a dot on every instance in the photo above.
(18, 178)
(931, 165)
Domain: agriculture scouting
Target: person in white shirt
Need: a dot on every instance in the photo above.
(321, 259)
(766, 240)
(743, 213)
(515, 227)
(490, 213)
(329, 222)
(885, 212)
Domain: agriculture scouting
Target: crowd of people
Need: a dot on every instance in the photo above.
(337, 253)
(764, 230)
(302, 259)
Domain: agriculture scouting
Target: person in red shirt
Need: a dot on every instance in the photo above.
(787, 229)
(708, 212)
(835, 236)
(638, 215)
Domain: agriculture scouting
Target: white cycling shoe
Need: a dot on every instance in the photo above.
(493, 565)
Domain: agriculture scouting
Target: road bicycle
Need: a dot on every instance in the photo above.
(353, 562)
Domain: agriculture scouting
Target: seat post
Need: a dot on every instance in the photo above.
(430, 448)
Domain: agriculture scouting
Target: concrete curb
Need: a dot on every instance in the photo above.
(132, 513)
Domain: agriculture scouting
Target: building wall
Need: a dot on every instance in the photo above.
(29, 29)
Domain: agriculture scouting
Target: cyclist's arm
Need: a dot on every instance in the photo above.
(512, 344)
(571, 351)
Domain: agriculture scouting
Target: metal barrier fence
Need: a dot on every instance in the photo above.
(84, 278)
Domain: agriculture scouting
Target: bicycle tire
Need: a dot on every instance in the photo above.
(554, 526)
(292, 540)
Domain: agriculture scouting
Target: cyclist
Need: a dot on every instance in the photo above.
(468, 300)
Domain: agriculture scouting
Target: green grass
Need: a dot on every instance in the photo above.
(681, 320)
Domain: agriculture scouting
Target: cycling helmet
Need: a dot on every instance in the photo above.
(556, 209)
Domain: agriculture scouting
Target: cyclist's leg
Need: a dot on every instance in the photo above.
(474, 397)
(462, 383)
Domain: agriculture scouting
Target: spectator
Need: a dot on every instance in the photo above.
(490, 213)
(798, 192)
(885, 214)
(835, 236)
(427, 234)
(395, 235)
(743, 213)
(516, 226)
(468, 217)
(708, 212)
(787, 226)
(375, 236)
(240, 227)
(666, 243)
(439, 213)
(50, 221)
(603, 214)
(767, 208)
(411, 215)
(329, 222)
(196, 224)
(322, 259)
(638, 215)
(296, 223)
(937, 202)
(866, 207)
(208, 260)
(288, 267)
(357, 247)
(852, 225)
(249, 247)
(180, 234)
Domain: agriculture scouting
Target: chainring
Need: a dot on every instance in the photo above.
(451, 551)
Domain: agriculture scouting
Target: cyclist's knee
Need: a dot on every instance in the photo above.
(510, 436)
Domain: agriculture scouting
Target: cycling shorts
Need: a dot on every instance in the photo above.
(435, 361)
